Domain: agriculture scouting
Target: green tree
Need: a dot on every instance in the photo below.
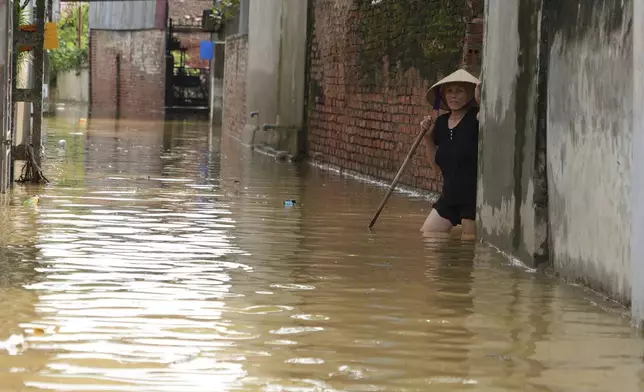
(70, 55)
(223, 10)
(23, 16)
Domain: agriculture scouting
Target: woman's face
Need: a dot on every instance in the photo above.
(458, 95)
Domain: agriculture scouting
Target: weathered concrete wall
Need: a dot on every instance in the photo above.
(72, 86)
(276, 63)
(371, 66)
(263, 61)
(568, 177)
(235, 114)
(292, 70)
(590, 103)
(511, 160)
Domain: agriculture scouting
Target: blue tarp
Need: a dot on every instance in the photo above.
(207, 50)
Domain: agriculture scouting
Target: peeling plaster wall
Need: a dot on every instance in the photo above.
(509, 150)
(590, 101)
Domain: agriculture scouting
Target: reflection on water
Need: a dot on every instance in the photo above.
(162, 258)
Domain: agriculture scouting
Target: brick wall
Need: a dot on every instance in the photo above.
(181, 9)
(371, 66)
(192, 41)
(190, 12)
(234, 108)
(142, 91)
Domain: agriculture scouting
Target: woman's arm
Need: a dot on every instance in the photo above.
(428, 140)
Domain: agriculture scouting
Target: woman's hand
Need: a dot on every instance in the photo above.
(427, 123)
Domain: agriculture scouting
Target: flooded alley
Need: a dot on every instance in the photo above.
(162, 259)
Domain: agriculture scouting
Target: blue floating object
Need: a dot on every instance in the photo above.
(207, 50)
(289, 203)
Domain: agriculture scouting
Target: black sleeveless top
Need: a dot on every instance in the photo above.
(457, 157)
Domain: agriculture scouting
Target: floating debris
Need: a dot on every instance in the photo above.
(14, 345)
(32, 201)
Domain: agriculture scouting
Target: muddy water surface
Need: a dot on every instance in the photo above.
(161, 258)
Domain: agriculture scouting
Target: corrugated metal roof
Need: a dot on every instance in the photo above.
(123, 15)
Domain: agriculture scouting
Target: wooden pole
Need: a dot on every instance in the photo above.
(38, 68)
(414, 147)
(80, 26)
(392, 187)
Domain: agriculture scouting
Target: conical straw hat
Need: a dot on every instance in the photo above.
(460, 75)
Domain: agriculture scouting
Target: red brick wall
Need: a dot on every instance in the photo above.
(142, 81)
(235, 115)
(369, 75)
(179, 9)
(192, 41)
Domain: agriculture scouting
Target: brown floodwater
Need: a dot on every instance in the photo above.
(161, 259)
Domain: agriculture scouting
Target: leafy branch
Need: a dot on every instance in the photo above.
(23, 15)
(223, 10)
(70, 54)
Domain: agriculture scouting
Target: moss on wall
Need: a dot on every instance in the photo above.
(424, 34)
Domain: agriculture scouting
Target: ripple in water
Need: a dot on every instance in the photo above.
(162, 259)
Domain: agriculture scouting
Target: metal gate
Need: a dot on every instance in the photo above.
(6, 70)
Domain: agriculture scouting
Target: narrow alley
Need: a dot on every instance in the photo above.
(162, 258)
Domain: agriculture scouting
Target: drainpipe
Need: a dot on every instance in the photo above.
(118, 86)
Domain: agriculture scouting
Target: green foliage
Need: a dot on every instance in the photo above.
(24, 17)
(423, 34)
(70, 55)
(224, 10)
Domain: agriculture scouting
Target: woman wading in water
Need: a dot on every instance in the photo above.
(452, 141)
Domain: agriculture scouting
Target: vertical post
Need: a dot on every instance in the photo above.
(118, 86)
(637, 170)
(80, 25)
(5, 136)
(38, 67)
(10, 80)
(244, 8)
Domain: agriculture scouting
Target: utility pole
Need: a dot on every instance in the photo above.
(32, 38)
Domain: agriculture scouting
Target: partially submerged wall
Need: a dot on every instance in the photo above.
(133, 85)
(71, 86)
(276, 69)
(590, 104)
(512, 189)
(555, 165)
(234, 102)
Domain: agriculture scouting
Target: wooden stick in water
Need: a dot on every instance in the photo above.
(392, 187)
(419, 138)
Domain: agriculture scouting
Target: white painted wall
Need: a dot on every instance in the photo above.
(590, 107)
(72, 86)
